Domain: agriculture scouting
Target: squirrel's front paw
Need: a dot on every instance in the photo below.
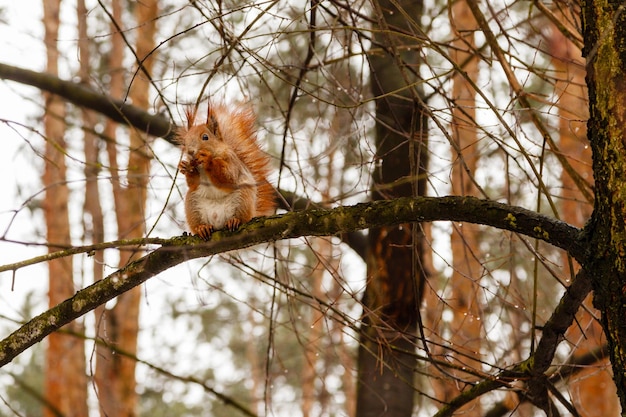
(186, 167)
(204, 231)
(204, 157)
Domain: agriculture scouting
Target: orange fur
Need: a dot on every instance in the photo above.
(226, 171)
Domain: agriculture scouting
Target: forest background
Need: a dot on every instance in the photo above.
(356, 102)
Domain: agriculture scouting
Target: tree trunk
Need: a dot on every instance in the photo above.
(65, 380)
(93, 217)
(119, 326)
(105, 367)
(465, 330)
(592, 389)
(393, 291)
(312, 347)
(605, 50)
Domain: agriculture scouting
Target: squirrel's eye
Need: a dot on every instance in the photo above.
(205, 136)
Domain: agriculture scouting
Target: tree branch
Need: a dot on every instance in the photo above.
(561, 376)
(89, 249)
(313, 222)
(561, 319)
(83, 96)
(533, 369)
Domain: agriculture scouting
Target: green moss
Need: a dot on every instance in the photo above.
(541, 233)
(510, 218)
(527, 366)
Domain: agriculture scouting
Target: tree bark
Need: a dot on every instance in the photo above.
(395, 275)
(592, 390)
(604, 24)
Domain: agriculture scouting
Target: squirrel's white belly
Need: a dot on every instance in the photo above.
(215, 206)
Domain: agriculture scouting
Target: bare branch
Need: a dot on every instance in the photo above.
(522, 96)
(89, 249)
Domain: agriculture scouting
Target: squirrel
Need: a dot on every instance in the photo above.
(226, 170)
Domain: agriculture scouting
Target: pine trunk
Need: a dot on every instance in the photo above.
(395, 278)
(119, 326)
(465, 329)
(65, 380)
(105, 367)
(312, 347)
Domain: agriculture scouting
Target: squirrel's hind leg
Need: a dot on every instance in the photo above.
(233, 224)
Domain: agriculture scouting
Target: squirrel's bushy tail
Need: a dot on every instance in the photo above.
(237, 128)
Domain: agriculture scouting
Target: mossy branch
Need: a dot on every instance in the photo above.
(313, 222)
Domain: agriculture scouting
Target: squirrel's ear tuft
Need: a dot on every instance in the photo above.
(190, 115)
(211, 123)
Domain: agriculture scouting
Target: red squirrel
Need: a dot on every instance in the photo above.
(226, 171)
